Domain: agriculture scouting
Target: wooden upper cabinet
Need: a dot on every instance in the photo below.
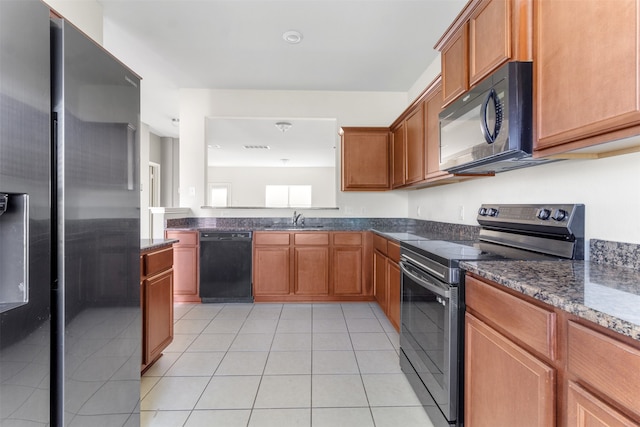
(455, 66)
(485, 35)
(432, 108)
(365, 159)
(586, 68)
(414, 145)
(489, 38)
(398, 155)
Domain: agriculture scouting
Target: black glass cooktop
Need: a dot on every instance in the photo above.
(449, 253)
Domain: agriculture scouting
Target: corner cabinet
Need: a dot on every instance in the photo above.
(552, 367)
(310, 266)
(156, 291)
(365, 159)
(586, 68)
(186, 265)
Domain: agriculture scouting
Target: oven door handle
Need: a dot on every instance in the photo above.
(425, 284)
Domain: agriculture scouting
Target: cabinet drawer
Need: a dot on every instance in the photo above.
(347, 239)
(311, 238)
(158, 261)
(393, 251)
(532, 325)
(184, 237)
(380, 244)
(606, 364)
(271, 238)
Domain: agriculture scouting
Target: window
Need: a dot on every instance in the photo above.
(219, 194)
(288, 196)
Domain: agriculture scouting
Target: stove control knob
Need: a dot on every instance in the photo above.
(482, 211)
(492, 212)
(560, 215)
(544, 214)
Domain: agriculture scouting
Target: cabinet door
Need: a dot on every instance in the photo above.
(271, 271)
(433, 106)
(380, 279)
(311, 270)
(185, 266)
(586, 68)
(586, 410)
(365, 159)
(455, 66)
(489, 38)
(398, 144)
(504, 384)
(347, 270)
(158, 320)
(393, 299)
(415, 145)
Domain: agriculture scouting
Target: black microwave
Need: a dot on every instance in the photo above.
(489, 128)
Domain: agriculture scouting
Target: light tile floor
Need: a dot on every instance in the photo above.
(281, 365)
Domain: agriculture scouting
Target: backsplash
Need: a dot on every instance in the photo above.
(409, 225)
(615, 253)
(601, 251)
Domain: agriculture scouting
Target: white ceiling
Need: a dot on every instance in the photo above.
(348, 45)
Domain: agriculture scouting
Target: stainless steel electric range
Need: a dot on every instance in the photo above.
(432, 307)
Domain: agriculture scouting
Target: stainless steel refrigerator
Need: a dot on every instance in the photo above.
(70, 319)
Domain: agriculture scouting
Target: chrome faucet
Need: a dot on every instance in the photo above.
(297, 217)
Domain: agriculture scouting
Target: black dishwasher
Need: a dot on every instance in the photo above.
(225, 266)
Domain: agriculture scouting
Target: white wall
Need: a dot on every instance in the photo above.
(609, 188)
(86, 15)
(349, 108)
(248, 184)
(170, 175)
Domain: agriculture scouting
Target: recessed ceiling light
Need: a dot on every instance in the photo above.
(292, 36)
(283, 126)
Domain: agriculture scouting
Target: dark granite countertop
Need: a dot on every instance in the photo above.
(606, 295)
(148, 244)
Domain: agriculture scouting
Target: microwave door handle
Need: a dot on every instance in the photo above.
(490, 136)
(427, 285)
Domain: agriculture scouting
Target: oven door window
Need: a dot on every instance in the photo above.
(428, 338)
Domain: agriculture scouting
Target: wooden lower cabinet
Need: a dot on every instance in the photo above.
(311, 266)
(186, 265)
(271, 271)
(394, 293)
(387, 276)
(311, 271)
(380, 279)
(156, 292)
(586, 410)
(347, 270)
(550, 367)
(498, 370)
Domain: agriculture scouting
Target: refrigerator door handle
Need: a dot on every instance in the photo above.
(4, 200)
